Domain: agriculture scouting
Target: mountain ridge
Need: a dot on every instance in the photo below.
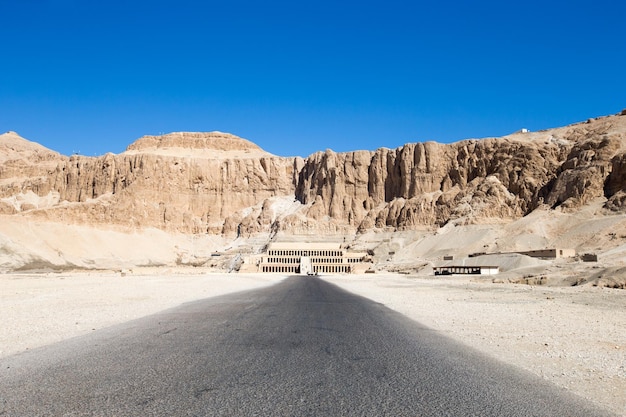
(417, 184)
(228, 187)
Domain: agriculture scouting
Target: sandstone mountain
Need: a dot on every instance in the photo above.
(218, 186)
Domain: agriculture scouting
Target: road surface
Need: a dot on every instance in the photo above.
(302, 347)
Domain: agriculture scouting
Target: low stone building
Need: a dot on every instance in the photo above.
(466, 270)
(589, 257)
(552, 253)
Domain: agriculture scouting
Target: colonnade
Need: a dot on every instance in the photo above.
(322, 269)
(281, 269)
(332, 269)
(304, 252)
(296, 260)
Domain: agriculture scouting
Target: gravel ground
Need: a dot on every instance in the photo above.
(574, 337)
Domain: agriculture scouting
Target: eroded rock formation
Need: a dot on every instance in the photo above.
(142, 189)
(218, 183)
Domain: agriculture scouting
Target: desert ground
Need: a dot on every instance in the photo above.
(574, 337)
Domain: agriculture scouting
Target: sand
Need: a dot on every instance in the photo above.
(39, 309)
(574, 337)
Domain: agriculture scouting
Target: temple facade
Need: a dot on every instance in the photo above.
(308, 258)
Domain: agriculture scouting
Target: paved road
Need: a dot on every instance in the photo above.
(300, 348)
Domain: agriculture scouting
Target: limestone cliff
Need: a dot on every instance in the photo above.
(474, 180)
(143, 188)
(216, 183)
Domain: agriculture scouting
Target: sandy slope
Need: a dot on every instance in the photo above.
(572, 336)
(36, 245)
(587, 231)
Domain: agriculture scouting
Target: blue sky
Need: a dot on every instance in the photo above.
(298, 77)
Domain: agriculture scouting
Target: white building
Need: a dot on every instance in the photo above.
(467, 270)
(308, 258)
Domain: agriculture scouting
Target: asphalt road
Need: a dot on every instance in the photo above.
(303, 347)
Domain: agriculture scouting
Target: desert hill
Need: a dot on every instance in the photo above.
(178, 198)
(197, 144)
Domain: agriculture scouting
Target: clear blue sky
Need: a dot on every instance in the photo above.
(300, 76)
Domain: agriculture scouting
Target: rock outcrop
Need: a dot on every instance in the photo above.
(216, 183)
(428, 184)
(143, 189)
(214, 141)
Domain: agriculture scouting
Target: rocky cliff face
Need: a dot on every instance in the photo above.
(172, 192)
(430, 183)
(474, 180)
(219, 184)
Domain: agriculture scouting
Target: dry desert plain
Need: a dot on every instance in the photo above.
(574, 337)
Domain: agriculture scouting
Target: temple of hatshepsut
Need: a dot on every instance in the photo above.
(308, 258)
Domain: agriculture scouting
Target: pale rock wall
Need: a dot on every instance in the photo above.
(219, 184)
(175, 194)
(145, 190)
(428, 183)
